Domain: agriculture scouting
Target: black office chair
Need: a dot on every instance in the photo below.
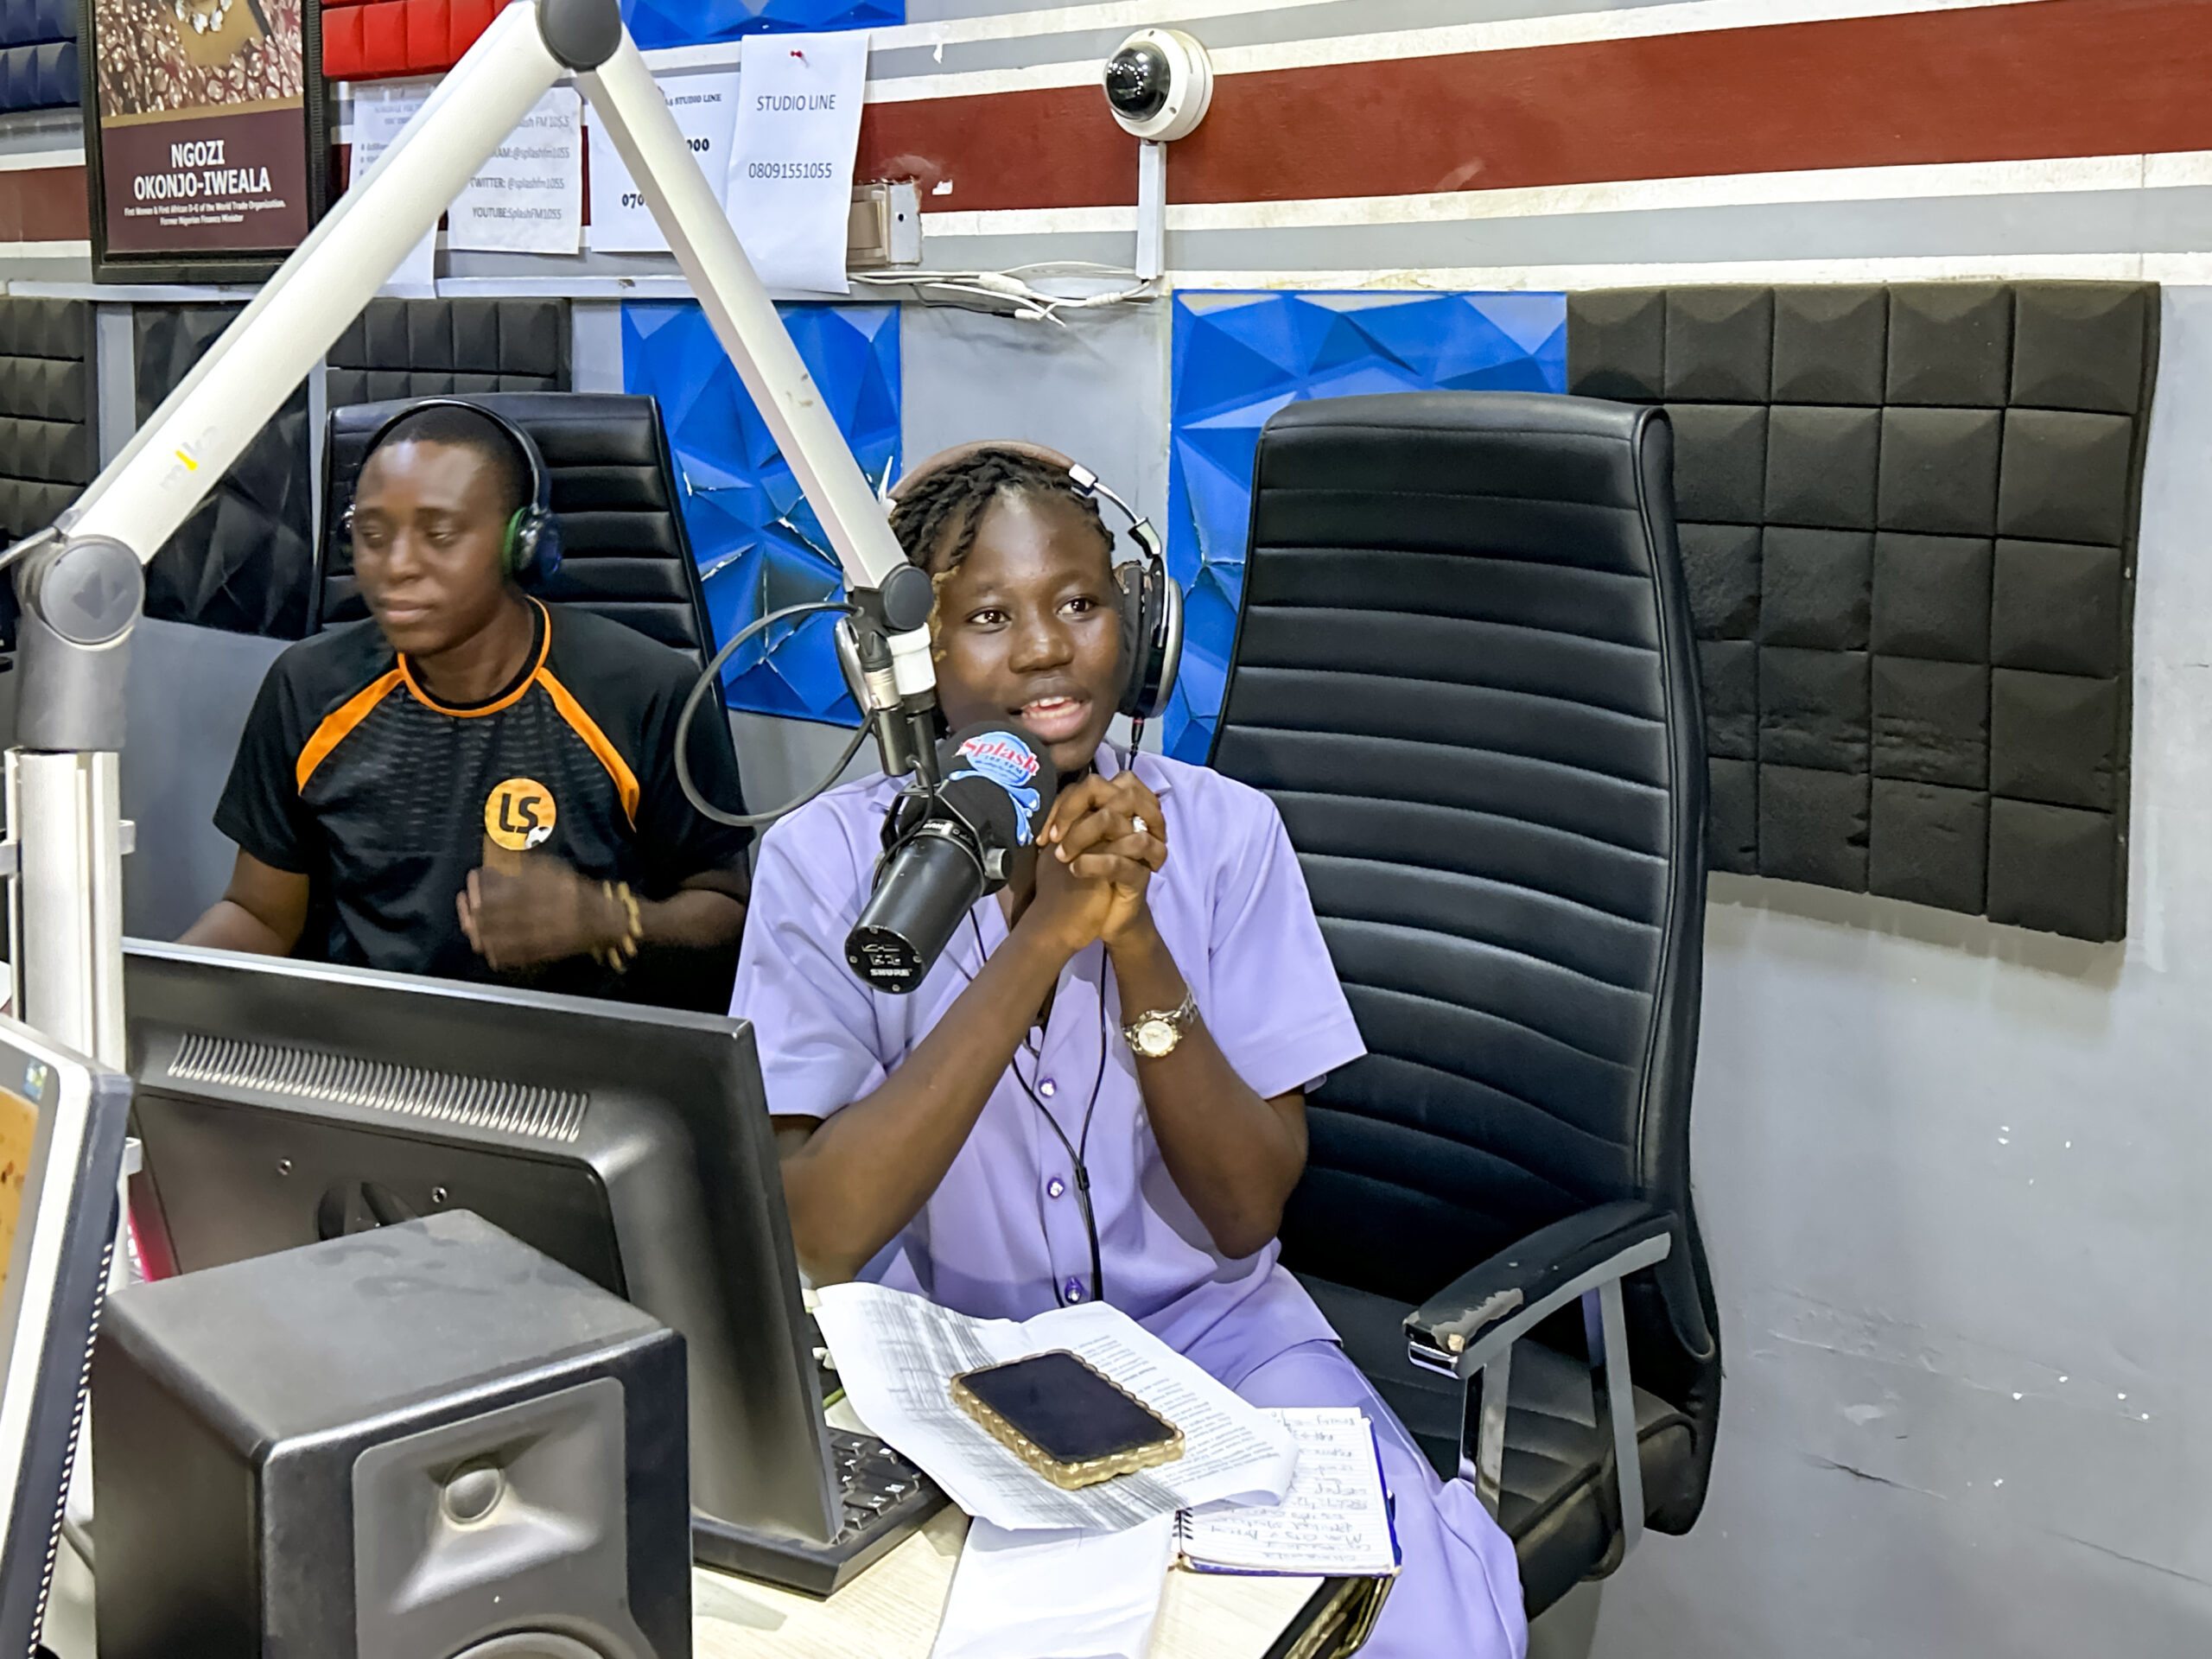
(1465, 672)
(625, 555)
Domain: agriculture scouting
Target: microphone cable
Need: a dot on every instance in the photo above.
(707, 677)
(1077, 1148)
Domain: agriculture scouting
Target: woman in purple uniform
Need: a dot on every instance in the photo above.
(996, 1140)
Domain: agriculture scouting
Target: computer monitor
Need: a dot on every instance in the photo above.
(62, 1122)
(280, 1103)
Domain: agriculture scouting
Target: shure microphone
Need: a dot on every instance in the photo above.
(947, 849)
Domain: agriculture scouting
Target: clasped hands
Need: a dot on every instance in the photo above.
(524, 910)
(1095, 857)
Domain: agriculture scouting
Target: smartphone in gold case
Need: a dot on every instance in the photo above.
(1065, 1419)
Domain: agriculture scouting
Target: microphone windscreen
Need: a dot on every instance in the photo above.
(1000, 779)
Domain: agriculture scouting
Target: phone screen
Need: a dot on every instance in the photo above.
(1067, 1409)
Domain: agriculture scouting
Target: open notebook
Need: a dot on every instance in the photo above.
(1334, 1521)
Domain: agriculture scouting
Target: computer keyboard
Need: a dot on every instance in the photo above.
(877, 1484)
(883, 1497)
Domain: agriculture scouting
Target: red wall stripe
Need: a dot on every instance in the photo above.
(2000, 82)
(44, 204)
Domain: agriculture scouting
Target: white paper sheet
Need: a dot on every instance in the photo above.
(529, 198)
(897, 1355)
(791, 162)
(705, 108)
(1333, 1520)
(1055, 1595)
(379, 112)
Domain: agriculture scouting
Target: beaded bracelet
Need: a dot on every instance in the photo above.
(618, 955)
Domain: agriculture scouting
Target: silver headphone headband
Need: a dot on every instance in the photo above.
(1090, 483)
(1140, 530)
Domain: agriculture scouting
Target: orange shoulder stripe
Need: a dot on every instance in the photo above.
(625, 781)
(336, 724)
(545, 645)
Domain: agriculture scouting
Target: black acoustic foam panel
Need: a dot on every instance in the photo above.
(244, 560)
(48, 449)
(423, 348)
(1909, 516)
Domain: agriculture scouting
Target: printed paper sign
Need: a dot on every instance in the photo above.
(791, 165)
(380, 111)
(530, 196)
(705, 107)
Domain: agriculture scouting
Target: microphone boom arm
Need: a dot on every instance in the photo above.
(80, 582)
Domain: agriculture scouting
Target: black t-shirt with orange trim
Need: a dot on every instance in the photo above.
(350, 773)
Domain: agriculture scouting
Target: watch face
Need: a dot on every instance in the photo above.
(1155, 1037)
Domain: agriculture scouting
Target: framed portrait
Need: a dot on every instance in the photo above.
(206, 141)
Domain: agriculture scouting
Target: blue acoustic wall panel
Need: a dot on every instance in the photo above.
(1239, 357)
(759, 544)
(695, 23)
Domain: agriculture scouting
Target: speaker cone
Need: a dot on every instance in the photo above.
(531, 1644)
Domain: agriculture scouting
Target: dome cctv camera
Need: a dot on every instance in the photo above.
(1158, 83)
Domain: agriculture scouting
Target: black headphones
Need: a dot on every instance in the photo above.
(1149, 600)
(531, 551)
(1151, 607)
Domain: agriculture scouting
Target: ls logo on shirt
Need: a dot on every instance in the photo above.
(519, 814)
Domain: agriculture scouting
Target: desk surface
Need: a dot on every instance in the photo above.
(891, 1610)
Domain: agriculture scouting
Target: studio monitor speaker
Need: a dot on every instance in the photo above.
(424, 1442)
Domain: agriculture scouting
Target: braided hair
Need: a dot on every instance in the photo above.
(936, 519)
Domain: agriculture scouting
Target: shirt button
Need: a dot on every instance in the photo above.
(1072, 1289)
(1048, 1088)
(1054, 1187)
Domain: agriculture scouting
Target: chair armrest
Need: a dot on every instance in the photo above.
(1483, 1312)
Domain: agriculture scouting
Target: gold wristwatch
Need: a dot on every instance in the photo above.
(1154, 1035)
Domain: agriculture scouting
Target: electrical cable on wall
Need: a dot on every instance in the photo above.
(1011, 288)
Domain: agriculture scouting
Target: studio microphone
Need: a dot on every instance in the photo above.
(946, 848)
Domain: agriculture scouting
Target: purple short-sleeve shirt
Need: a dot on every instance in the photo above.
(1003, 1237)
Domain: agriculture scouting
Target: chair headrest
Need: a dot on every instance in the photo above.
(615, 488)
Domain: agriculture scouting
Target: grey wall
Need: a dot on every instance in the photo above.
(191, 689)
(1952, 1177)
(1095, 389)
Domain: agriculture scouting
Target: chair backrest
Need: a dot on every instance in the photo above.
(1464, 671)
(625, 553)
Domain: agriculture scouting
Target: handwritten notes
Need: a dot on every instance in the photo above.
(791, 165)
(1333, 1520)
